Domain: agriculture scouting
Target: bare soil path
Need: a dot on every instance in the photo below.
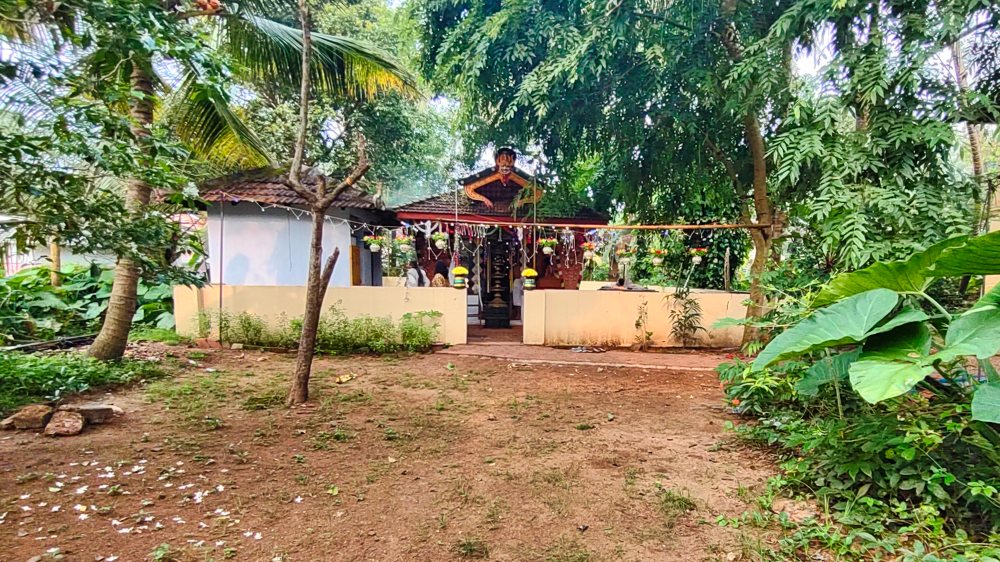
(435, 457)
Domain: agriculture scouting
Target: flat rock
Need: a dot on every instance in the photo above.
(65, 423)
(33, 416)
(93, 413)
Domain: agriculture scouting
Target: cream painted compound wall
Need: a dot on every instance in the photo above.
(607, 318)
(270, 302)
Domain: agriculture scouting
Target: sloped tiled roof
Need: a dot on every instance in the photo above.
(268, 186)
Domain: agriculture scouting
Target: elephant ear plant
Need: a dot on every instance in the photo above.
(888, 345)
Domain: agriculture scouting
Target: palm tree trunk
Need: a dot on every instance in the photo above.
(111, 341)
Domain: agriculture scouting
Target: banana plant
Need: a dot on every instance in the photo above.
(891, 344)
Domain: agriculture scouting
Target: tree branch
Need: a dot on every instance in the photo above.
(360, 169)
(726, 162)
(331, 262)
(295, 173)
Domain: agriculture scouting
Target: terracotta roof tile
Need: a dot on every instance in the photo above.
(267, 186)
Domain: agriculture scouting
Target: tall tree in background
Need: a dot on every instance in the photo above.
(692, 97)
(120, 43)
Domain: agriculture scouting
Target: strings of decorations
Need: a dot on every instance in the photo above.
(567, 248)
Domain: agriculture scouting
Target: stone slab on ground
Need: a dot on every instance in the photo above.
(33, 416)
(65, 423)
(93, 412)
(700, 361)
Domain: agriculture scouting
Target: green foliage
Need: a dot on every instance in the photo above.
(337, 334)
(26, 378)
(685, 316)
(896, 354)
(31, 309)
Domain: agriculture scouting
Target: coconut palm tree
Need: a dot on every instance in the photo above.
(256, 49)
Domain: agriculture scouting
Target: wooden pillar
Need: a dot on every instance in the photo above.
(55, 256)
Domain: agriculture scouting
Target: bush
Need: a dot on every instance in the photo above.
(31, 309)
(337, 334)
(26, 378)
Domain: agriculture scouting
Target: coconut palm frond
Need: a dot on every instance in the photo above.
(205, 120)
(269, 51)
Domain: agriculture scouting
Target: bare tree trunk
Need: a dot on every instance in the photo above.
(55, 257)
(316, 284)
(982, 220)
(111, 341)
(763, 237)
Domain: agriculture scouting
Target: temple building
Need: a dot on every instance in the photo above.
(493, 220)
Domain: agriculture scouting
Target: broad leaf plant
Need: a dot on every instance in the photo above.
(888, 344)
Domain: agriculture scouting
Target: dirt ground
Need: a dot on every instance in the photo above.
(434, 457)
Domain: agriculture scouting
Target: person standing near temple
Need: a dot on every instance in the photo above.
(416, 276)
(517, 294)
(440, 275)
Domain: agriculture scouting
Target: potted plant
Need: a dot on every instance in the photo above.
(460, 274)
(404, 242)
(697, 254)
(548, 245)
(529, 278)
(625, 255)
(374, 243)
(658, 256)
(588, 250)
(440, 240)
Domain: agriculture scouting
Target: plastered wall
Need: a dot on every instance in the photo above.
(269, 302)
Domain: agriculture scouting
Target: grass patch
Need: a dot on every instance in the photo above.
(27, 378)
(673, 505)
(161, 335)
(191, 398)
(568, 551)
(472, 547)
(584, 426)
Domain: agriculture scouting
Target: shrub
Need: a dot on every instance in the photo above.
(32, 309)
(336, 333)
(26, 378)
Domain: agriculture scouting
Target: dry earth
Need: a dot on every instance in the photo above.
(435, 457)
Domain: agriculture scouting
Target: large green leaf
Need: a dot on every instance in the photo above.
(978, 256)
(892, 363)
(904, 276)
(268, 51)
(879, 379)
(826, 370)
(986, 403)
(977, 332)
(848, 321)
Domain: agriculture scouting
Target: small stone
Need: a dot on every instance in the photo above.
(35, 559)
(65, 423)
(371, 533)
(236, 346)
(93, 413)
(491, 417)
(34, 416)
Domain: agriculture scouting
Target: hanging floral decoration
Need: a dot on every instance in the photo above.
(588, 250)
(374, 243)
(697, 254)
(658, 255)
(548, 245)
(404, 242)
(440, 240)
